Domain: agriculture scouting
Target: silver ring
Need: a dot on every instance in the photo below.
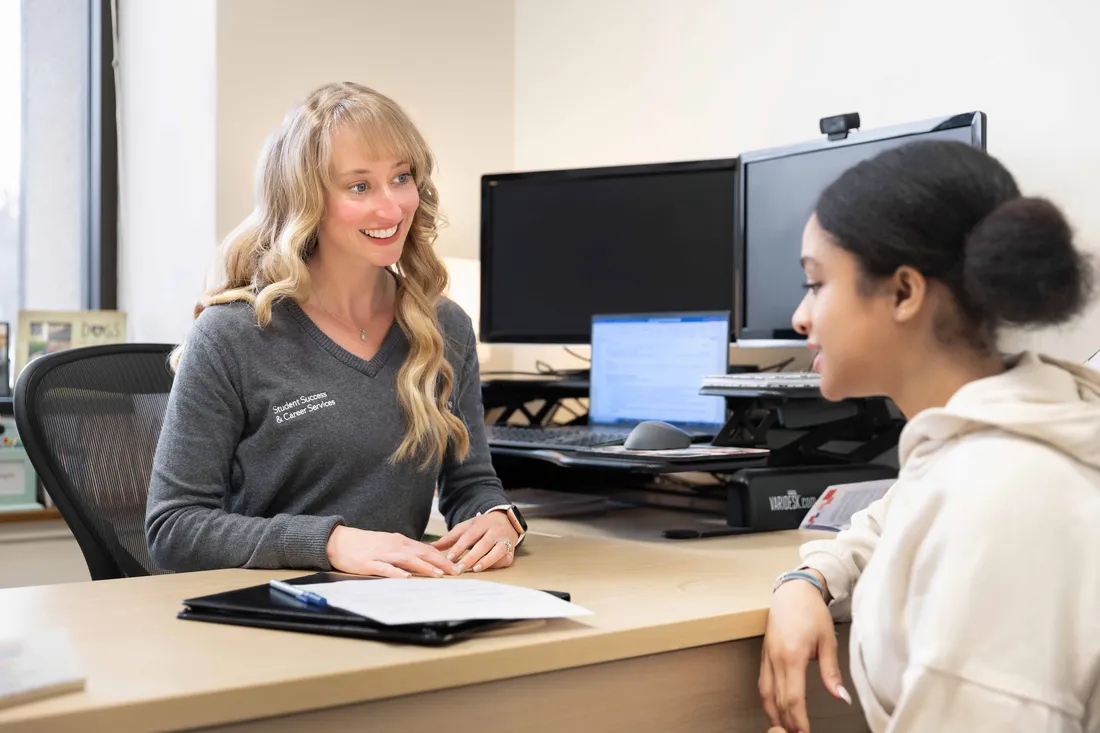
(507, 545)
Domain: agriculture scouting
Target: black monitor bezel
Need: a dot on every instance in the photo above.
(976, 121)
(486, 332)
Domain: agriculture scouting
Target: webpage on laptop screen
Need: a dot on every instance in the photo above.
(652, 367)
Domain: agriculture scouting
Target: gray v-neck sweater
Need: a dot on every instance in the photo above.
(274, 436)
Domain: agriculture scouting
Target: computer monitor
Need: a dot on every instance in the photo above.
(651, 367)
(777, 192)
(558, 247)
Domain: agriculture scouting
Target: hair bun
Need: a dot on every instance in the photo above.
(1022, 268)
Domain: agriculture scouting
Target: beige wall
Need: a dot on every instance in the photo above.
(203, 82)
(449, 64)
(647, 80)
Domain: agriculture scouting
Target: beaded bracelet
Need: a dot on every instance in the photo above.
(800, 575)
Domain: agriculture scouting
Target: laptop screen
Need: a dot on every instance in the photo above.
(651, 367)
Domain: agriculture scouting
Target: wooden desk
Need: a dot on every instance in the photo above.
(673, 645)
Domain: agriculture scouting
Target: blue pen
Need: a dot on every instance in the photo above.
(304, 596)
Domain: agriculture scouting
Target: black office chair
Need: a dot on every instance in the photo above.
(90, 419)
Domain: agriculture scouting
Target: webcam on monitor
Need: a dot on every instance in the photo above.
(837, 127)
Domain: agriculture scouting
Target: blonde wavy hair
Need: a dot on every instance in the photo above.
(264, 259)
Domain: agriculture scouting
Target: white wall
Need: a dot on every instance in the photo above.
(167, 93)
(635, 81)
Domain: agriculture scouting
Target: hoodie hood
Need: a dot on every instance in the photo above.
(1038, 398)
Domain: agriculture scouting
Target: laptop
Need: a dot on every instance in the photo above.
(644, 367)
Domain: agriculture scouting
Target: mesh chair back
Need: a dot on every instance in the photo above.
(90, 419)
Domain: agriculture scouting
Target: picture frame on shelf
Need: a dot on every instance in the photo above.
(46, 332)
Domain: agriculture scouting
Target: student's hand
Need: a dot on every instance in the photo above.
(489, 541)
(799, 629)
(385, 554)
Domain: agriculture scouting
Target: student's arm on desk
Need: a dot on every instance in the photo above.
(185, 525)
(841, 559)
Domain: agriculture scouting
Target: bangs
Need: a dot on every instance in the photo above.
(380, 133)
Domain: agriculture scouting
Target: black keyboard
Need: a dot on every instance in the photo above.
(521, 436)
(790, 382)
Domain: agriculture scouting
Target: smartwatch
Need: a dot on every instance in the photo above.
(518, 522)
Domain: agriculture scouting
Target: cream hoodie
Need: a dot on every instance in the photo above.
(978, 602)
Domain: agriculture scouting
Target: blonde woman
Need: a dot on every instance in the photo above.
(327, 387)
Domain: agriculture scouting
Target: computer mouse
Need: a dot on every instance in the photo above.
(656, 435)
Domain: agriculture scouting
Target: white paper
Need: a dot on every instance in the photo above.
(37, 665)
(426, 600)
(833, 510)
(1094, 362)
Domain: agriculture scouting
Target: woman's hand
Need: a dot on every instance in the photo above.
(799, 629)
(489, 541)
(386, 554)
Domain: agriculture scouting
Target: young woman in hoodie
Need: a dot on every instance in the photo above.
(977, 606)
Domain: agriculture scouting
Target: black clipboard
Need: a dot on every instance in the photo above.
(261, 606)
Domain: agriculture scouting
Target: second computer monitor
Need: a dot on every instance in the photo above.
(558, 247)
(778, 191)
(651, 367)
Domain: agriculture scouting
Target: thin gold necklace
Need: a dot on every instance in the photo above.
(362, 332)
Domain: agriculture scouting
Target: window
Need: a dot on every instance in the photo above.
(57, 157)
(10, 132)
